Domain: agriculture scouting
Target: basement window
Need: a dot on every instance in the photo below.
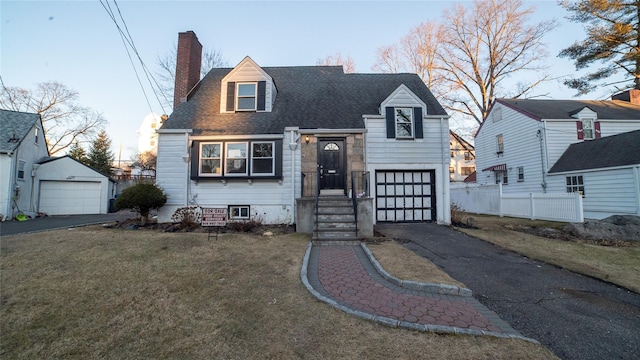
(239, 212)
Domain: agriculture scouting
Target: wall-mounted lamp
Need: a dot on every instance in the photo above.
(306, 139)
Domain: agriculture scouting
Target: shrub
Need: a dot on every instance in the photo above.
(244, 226)
(188, 217)
(459, 216)
(142, 197)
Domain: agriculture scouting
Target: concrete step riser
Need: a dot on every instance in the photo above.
(336, 217)
(324, 234)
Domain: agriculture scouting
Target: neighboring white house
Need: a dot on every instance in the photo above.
(463, 158)
(605, 171)
(31, 182)
(147, 135)
(520, 140)
(22, 144)
(251, 139)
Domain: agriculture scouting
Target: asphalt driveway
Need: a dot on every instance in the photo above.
(60, 222)
(575, 316)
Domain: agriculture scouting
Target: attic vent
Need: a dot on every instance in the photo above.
(14, 138)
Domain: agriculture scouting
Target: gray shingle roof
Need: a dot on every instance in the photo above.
(563, 109)
(610, 151)
(14, 126)
(309, 97)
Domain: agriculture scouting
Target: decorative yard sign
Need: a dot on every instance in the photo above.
(214, 217)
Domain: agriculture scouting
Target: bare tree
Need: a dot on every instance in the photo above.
(146, 161)
(64, 121)
(487, 43)
(389, 59)
(166, 73)
(465, 58)
(348, 65)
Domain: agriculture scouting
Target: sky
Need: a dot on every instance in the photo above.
(76, 43)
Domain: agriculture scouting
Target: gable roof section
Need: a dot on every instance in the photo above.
(309, 97)
(50, 159)
(539, 109)
(14, 126)
(610, 151)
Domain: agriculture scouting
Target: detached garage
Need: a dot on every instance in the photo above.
(68, 187)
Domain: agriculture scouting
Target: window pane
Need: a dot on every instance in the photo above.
(262, 150)
(236, 166)
(404, 122)
(237, 150)
(246, 89)
(248, 103)
(210, 166)
(262, 166)
(210, 151)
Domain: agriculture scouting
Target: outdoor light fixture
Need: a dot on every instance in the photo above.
(306, 139)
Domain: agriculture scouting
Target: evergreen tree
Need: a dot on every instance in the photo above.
(100, 156)
(612, 39)
(77, 152)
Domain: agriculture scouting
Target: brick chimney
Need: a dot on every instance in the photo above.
(632, 96)
(188, 64)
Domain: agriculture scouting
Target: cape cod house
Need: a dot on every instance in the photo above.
(262, 142)
(535, 146)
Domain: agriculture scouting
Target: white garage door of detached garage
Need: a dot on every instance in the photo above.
(403, 196)
(70, 197)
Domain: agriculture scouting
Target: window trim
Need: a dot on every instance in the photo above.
(196, 160)
(200, 158)
(412, 122)
(20, 171)
(591, 128)
(238, 96)
(503, 178)
(578, 186)
(230, 209)
(273, 162)
(520, 173)
(499, 144)
(227, 158)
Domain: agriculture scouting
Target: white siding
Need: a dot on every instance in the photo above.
(612, 127)
(271, 200)
(521, 149)
(6, 186)
(607, 192)
(172, 171)
(429, 153)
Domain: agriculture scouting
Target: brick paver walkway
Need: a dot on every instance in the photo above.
(344, 274)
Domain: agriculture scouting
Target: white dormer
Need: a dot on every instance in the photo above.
(247, 88)
(587, 126)
(402, 97)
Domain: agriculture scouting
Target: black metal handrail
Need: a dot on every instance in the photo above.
(317, 196)
(354, 200)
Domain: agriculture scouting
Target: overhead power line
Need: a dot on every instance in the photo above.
(127, 41)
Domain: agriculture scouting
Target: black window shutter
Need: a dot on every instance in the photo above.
(262, 94)
(195, 160)
(417, 115)
(278, 154)
(231, 96)
(391, 122)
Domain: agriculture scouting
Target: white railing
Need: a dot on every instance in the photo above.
(489, 199)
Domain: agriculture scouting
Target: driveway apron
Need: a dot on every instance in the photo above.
(575, 316)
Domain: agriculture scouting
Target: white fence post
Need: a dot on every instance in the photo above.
(532, 207)
(579, 206)
(500, 200)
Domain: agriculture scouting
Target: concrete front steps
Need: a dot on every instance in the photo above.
(335, 221)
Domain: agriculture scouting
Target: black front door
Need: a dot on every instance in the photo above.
(331, 156)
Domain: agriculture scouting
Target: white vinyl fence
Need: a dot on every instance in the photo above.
(489, 199)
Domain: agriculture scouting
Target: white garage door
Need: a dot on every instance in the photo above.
(70, 197)
(404, 196)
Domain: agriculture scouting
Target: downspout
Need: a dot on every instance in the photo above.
(540, 136)
(445, 175)
(188, 172)
(14, 187)
(293, 145)
(34, 170)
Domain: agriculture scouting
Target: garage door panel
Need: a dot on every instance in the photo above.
(70, 197)
(403, 196)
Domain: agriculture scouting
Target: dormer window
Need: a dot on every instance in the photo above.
(246, 95)
(587, 128)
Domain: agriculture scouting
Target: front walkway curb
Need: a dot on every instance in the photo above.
(387, 321)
